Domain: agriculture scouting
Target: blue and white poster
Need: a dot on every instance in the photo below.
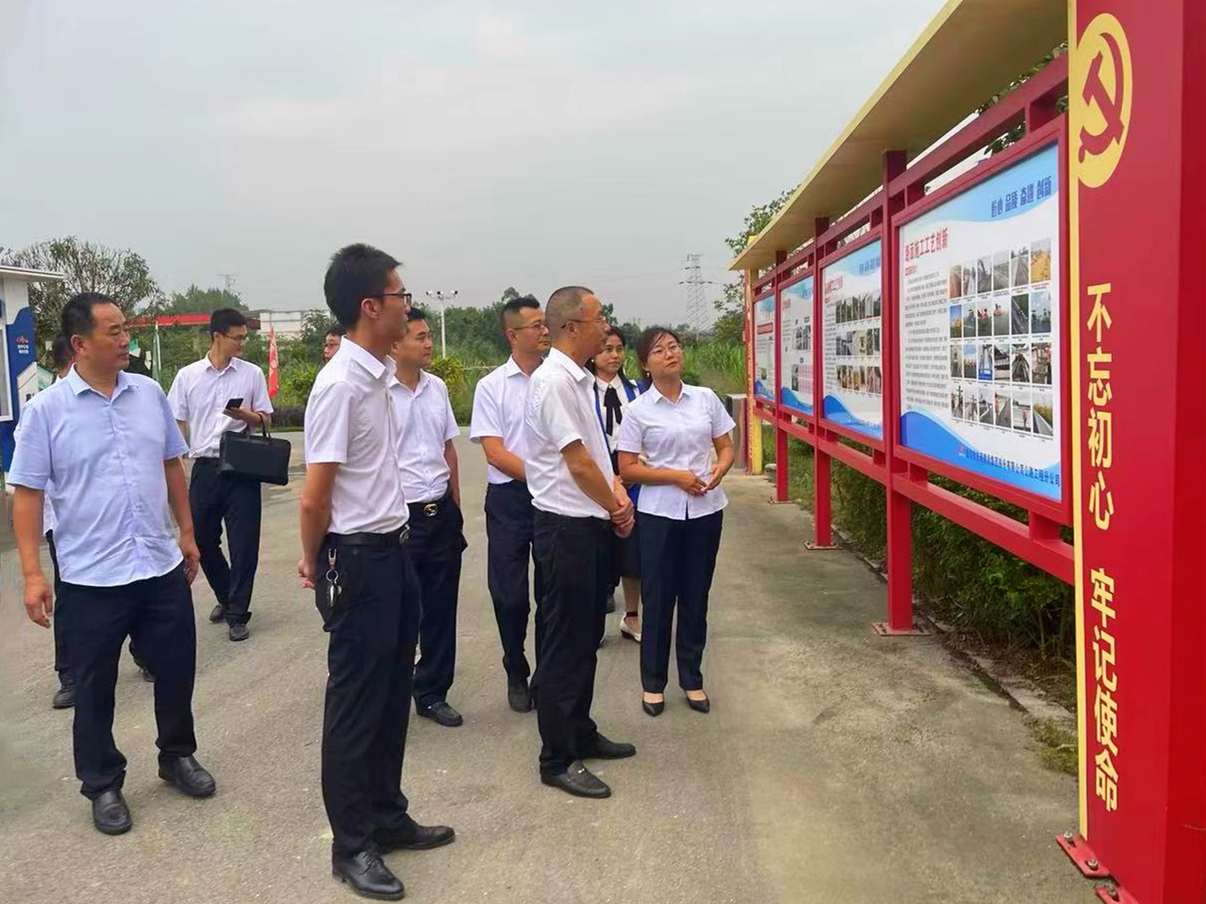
(764, 348)
(980, 332)
(852, 305)
(795, 354)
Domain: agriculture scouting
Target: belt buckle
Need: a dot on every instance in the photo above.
(431, 509)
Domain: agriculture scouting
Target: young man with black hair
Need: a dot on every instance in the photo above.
(330, 342)
(497, 424)
(106, 444)
(579, 501)
(199, 397)
(354, 555)
(431, 484)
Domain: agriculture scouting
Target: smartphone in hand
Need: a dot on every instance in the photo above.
(234, 404)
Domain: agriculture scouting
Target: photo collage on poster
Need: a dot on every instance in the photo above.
(764, 348)
(858, 339)
(795, 356)
(1001, 340)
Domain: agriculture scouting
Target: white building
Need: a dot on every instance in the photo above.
(288, 324)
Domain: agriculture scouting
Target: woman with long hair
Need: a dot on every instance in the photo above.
(614, 392)
(675, 428)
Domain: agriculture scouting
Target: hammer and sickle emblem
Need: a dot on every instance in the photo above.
(1101, 109)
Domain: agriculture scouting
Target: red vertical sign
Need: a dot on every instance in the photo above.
(1138, 350)
(273, 367)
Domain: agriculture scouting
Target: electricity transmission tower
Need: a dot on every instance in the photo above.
(697, 303)
(229, 280)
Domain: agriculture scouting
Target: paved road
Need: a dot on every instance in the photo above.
(834, 767)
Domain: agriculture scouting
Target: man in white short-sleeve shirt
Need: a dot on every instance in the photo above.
(200, 397)
(499, 403)
(431, 482)
(354, 556)
(578, 503)
(106, 445)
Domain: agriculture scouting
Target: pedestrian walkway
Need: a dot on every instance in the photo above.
(835, 767)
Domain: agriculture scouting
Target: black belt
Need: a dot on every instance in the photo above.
(393, 538)
(430, 509)
(206, 460)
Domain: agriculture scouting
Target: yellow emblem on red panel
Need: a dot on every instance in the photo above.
(1101, 86)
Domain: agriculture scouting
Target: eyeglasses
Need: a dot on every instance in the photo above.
(238, 339)
(662, 350)
(538, 325)
(405, 296)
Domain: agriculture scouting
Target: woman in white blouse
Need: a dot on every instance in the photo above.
(675, 428)
(614, 392)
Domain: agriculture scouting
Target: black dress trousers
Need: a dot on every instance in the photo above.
(573, 557)
(215, 498)
(678, 558)
(157, 614)
(509, 533)
(371, 662)
(437, 544)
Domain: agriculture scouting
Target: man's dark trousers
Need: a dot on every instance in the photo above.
(572, 554)
(62, 658)
(371, 664)
(215, 498)
(509, 533)
(157, 614)
(437, 544)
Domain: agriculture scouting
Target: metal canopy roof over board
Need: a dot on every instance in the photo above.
(971, 50)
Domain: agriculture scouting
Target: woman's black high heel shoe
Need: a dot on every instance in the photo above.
(653, 709)
(700, 706)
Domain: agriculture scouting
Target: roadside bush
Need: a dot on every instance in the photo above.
(963, 579)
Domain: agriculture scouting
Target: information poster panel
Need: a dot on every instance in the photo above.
(853, 312)
(795, 322)
(979, 338)
(764, 348)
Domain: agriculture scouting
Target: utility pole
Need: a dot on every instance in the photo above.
(442, 297)
(697, 304)
(228, 280)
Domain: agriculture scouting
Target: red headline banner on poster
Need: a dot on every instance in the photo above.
(1141, 694)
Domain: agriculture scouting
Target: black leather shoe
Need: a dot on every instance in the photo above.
(578, 781)
(653, 709)
(700, 706)
(64, 697)
(188, 775)
(238, 631)
(518, 696)
(441, 713)
(610, 750)
(110, 813)
(368, 876)
(413, 837)
(217, 614)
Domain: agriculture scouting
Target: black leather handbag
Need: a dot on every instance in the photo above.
(256, 457)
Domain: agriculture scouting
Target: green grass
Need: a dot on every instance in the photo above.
(1057, 745)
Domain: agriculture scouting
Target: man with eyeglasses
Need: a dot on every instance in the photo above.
(356, 558)
(497, 425)
(200, 396)
(579, 502)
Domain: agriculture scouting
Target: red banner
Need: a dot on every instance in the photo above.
(273, 367)
(1136, 240)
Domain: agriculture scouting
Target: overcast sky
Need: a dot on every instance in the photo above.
(485, 144)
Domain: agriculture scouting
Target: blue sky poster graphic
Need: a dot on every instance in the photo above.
(980, 336)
